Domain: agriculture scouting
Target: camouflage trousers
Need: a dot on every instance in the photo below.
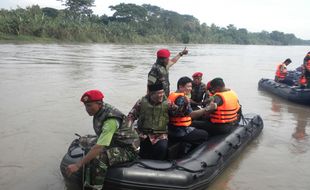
(109, 157)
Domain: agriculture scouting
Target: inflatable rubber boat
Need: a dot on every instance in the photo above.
(291, 93)
(194, 171)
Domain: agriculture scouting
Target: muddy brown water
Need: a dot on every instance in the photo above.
(40, 87)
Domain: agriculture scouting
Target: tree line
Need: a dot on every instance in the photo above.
(130, 23)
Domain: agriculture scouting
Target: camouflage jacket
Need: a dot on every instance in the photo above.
(160, 73)
(125, 135)
(173, 109)
(198, 92)
(134, 113)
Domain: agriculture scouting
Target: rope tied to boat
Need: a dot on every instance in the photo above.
(174, 165)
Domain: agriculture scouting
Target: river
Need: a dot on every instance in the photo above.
(41, 85)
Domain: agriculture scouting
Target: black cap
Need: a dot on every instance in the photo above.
(155, 87)
(288, 60)
(217, 82)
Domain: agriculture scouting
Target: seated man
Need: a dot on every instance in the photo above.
(151, 111)
(281, 73)
(228, 110)
(180, 119)
(198, 91)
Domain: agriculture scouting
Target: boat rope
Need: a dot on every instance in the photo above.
(204, 165)
(174, 165)
(138, 162)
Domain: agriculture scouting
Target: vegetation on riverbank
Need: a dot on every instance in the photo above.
(130, 23)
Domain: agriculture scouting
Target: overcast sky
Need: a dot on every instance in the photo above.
(255, 15)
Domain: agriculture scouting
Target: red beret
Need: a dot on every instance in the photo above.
(163, 53)
(92, 96)
(197, 74)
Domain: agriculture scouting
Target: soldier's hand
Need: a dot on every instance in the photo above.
(72, 168)
(211, 106)
(187, 100)
(142, 136)
(184, 52)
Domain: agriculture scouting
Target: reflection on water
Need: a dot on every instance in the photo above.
(40, 110)
(300, 131)
(300, 119)
(227, 180)
(300, 143)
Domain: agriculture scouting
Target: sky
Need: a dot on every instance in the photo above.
(290, 16)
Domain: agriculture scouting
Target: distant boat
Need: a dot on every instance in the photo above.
(291, 93)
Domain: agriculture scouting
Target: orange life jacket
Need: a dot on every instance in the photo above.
(228, 111)
(281, 74)
(184, 121)
(303, 80)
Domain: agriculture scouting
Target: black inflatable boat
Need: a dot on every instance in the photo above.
(194, 171)
(291, 93)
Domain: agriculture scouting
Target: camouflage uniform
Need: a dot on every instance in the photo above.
(198, 91)
(152, 125)
(122, 147)
(159, 72)
(136, 114)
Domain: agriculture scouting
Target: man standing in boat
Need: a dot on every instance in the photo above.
(160, 69)
(282, 72)
(116, 143)
(151, 111)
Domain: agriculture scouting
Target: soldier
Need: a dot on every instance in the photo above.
(198, 93)
(151, 111)
(116, 142)
(159, 71)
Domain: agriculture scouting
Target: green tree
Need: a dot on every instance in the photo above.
(79, 7)
(50, 12)
(129, 12)
(130, 23)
